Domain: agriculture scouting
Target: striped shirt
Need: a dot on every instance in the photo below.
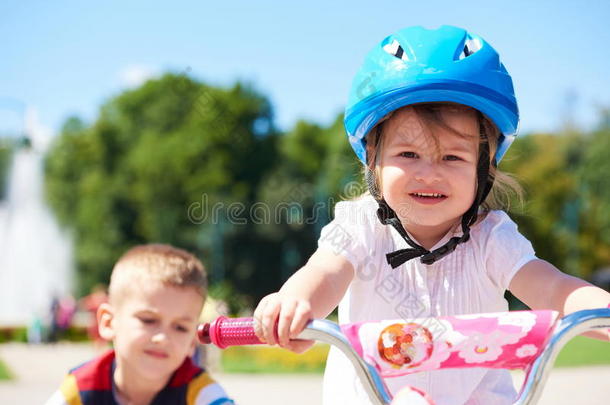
(92, 384)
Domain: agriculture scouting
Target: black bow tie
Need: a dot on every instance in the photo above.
(401, 256)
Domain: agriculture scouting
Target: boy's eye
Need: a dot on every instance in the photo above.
(147, 321)
(452, 158)
(408, 154)
(181, 328)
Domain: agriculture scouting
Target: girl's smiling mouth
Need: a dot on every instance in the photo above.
(428, 197)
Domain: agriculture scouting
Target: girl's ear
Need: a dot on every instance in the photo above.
(372, 181)
(105, 318)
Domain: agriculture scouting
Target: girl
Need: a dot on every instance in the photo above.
(430, 115)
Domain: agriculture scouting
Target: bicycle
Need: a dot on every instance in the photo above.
(534, 338)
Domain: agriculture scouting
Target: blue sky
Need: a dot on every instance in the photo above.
(69, 57)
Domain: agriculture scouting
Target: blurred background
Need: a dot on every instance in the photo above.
(217, 127)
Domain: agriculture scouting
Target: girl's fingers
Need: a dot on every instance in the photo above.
(278, 320)
(299, 346)
(268, 320)
(259, 328)
(258, 319)
(285, 321)
(302, 315)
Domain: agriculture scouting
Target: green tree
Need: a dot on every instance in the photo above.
(315, 170)
(6, 152)
(594, 189)
(537, 161)
(565, 214)
(141, 172)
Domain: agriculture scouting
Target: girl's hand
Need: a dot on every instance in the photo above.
(312, 292)
(278, 319)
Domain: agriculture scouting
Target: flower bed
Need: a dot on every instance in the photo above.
(265, 359)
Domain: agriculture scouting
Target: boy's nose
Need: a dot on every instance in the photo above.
(159, 337)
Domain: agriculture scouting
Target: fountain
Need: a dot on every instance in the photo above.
(35, 254)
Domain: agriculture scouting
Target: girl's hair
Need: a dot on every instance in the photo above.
(505, 187)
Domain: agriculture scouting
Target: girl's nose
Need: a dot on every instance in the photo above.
(427, 171)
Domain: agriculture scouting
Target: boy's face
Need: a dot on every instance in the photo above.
(153, 329)
(429, 184)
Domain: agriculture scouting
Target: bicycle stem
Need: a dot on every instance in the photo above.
(329, 332)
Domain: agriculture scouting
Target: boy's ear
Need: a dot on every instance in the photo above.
(105, 317)
(193, 347)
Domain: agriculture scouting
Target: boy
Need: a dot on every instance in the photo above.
(155, 297)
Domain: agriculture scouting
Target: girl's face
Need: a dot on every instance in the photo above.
(430, 183)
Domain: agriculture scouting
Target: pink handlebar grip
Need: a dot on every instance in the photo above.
(224, 332)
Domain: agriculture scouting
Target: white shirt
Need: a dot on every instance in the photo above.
(472, 279)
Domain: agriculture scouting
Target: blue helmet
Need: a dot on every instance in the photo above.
(417, 65)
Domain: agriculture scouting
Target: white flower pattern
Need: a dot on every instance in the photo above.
(480, 347)
(524, 319)
(526, 351)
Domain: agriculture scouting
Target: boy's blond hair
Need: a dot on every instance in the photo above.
(160, 263)
(504, 187)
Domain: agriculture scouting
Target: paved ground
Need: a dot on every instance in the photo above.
(39, 370)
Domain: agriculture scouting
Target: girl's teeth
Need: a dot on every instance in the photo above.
(435, 195)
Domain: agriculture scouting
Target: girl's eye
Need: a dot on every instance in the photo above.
(147, 321)
(409, 155)
(452, 158)
(181, 328)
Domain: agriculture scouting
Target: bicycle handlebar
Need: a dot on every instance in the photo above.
(225, 332)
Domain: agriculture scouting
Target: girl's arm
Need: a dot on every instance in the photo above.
(312, 292)
(540, 285)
